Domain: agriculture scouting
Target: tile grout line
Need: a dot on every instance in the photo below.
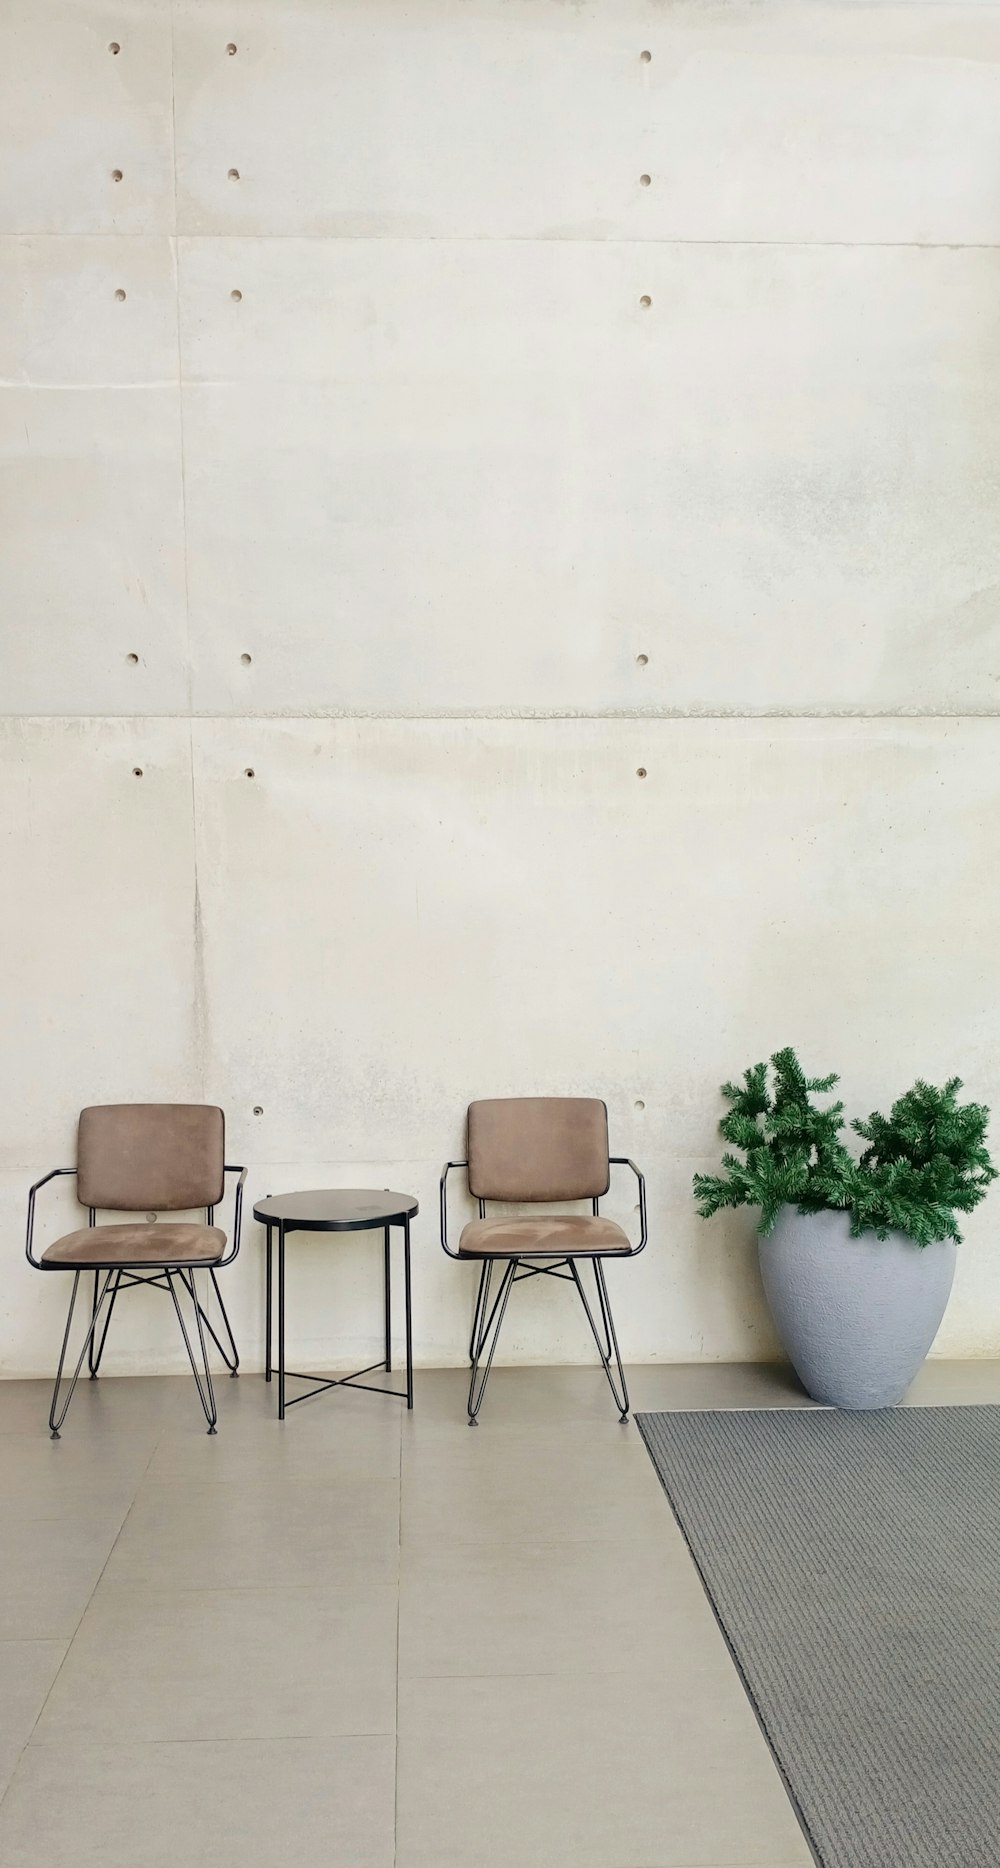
(399, 1594)
(54, 1681)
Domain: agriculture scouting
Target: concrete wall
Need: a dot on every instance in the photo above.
(384, 483)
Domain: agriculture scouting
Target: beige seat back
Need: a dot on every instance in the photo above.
(164, 1157)
(525, 1148)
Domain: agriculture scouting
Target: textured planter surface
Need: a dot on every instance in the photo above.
(857, 1316)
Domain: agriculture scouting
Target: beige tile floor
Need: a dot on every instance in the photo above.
(366, 1639)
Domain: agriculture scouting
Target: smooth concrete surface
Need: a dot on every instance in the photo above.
(382, 1640)
(341, 447)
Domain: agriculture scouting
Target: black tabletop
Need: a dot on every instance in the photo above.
(336, 1209)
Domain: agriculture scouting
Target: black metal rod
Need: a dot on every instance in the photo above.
(95, 1356)
(479, 1333)
(231, 1356)
(281, 1319)
(609, 1324)
(234, 1365)
(56, 1418)
(387, 1295)
(206, 1393)
(483, 1276)
(477, 1386)
(409, 1312)
(199, 1315)
(267, 1310)
(620, 1396)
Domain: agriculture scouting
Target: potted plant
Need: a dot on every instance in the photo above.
(857, 1255)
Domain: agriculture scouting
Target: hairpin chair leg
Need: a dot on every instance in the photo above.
(56, 1414)
(484, 1279)
(202, 1376)
(229, 1356)
(489, 1331)
(95, 1349)
(609, 1347)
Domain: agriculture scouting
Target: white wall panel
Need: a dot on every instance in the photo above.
(97, 926)
(91, 551)
(62, 322)
(401, 916)
(753, 122)
(386, 415)
(430, 476)
(72, 113)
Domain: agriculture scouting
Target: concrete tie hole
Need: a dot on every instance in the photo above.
(639, 1104)
(120, 296)
(132, 657)
(116, 175)
(152, 1218)
(645, 57)
(236, 295)
(249, 772)
(234, 175)
(114, 48)
(640, 771)
(644, 181)
(642, 660)
(258, 1111)
(137, 771)
(645, 301)
(246, 660)
(231, 49)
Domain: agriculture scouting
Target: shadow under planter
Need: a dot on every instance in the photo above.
(857, 1316)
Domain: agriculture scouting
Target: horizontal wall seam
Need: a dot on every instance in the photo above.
(513, 715)
(539, 239)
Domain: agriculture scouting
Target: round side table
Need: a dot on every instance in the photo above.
(351, 1209)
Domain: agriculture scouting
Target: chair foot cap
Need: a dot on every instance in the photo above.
(213, 1430)
(54, 1436)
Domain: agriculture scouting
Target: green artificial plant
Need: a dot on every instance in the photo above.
(925, 1162)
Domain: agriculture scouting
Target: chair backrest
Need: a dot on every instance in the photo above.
(167, 1157)
(525, 1148)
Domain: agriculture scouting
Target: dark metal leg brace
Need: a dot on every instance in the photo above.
(57, 1415)
(202, 1376)
(609, 1347)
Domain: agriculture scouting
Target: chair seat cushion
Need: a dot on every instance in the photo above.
(102, 1247)
(556, 1236)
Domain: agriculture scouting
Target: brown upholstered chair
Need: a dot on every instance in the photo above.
(134, 1157)
(533, 1150)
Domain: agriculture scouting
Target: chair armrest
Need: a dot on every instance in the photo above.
(237, 1213)
(444, 1204)
(624, 1161)
(52, 1174)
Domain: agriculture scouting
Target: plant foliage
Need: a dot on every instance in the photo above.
(926, 1162)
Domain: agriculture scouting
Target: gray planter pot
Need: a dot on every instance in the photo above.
(857, 1316)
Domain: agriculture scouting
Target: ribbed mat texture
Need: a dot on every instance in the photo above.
(853, 1561)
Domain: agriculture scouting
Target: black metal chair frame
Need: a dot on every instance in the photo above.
(487, 1321)
(118, 1277)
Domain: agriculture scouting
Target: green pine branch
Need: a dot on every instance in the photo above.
(925, 1162)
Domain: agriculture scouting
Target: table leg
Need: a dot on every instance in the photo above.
(409, 1318)
(388, 1304)
(267, 1313)
(281, 1319)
